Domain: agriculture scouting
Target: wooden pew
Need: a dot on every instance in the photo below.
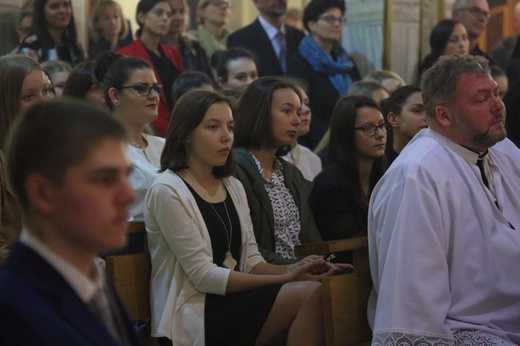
(345, 296)
(131, 277)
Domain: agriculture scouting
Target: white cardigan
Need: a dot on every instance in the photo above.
(182, 259)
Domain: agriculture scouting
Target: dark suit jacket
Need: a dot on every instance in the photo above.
(254, 38)
(138, 50)
(38, 307)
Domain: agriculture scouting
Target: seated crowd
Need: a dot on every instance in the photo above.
(233, 149)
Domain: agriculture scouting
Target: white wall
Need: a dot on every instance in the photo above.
(129, 7)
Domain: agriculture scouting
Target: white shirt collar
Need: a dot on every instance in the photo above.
(467, 154)
(269, 29)
(84, 286)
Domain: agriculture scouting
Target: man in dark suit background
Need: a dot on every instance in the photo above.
(268, 37)
(68, 165)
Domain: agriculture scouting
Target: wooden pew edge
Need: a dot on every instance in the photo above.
(322, 248)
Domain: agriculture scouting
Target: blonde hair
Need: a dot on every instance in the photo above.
(99, 10)
(13, 70)
(380, 75)
(202, 4)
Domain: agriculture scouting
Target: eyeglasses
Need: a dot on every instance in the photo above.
(219, 3)
(370, 130)
(144, 89)
(159, 13)
(476, 12)
(333, 20)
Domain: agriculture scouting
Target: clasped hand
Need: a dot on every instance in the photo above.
(313, 268)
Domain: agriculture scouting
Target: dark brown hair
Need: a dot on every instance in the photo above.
(342, 145)
(39, 27)
(253, 124)
(188, 113)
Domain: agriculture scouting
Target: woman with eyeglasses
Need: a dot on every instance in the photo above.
(212, 16)
(356, 162)
(153, 17)
(132, 93)
(323, 64)
(53, 35)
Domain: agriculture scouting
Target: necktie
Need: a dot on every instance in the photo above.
(101, 308)
(480, 165)
(485, 173)
(282, 52)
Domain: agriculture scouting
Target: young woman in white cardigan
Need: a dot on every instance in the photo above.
(210, 285)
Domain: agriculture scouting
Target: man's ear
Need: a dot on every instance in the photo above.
(40, 193)
(444, 115)
(455, 14)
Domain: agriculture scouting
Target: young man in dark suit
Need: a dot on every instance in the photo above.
(67, 163)
(269, 38)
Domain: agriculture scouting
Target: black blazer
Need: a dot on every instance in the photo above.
(39, 307)
(254, 38)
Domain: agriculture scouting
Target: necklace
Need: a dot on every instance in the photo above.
(229, 262)
(140, 146)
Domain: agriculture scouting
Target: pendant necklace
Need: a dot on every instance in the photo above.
(229, 262)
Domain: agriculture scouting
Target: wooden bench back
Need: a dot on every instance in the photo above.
(345, 296)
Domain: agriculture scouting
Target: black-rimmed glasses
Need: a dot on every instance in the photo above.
(476, 12)
(331, 19)
(220, 3)
(144, 89)
(370, 130)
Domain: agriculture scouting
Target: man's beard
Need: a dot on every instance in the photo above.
(480, 139)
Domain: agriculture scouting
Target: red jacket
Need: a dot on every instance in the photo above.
(137, 50)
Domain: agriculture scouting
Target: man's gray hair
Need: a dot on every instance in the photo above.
(439, 82)
(458, 4)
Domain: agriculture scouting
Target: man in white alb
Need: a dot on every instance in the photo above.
(444, 221)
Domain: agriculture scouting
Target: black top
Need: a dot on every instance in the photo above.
(480, 52)
(216, 229)
(168, 72)
(194, 57)
(513, 95)
(390, 154)
(336, 207)
(97, 47)
(234, 319)
(43, 49)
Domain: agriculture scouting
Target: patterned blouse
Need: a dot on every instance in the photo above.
(286, 214)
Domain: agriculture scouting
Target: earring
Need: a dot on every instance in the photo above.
(116, 102)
